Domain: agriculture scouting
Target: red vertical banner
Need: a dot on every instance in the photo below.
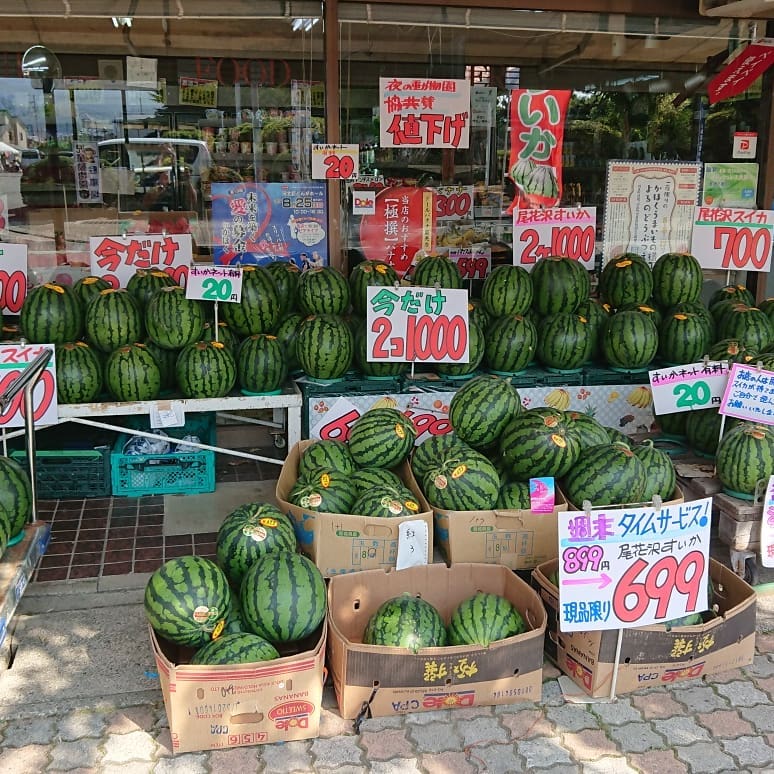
(537, 134)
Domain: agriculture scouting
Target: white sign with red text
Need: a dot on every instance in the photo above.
(474, 262)
(688, 387)
(13, 277)
(568, 231)
(454, 202)
(335, 162)
(14, 358)
(214, 283)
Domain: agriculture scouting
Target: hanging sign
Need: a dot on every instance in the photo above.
(688, 387)
(13, 277)
(454, 202)
(198, 92)
(767, 526)
(749, 394)
(14, 358)
(214, 283)
(86, 168)
(623, 568)
(567, 231)
(335, 162)
(742, 71)
(745, 145)
(116, 258)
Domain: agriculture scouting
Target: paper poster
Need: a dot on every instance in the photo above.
(117, 258)
(86, 163)
(198, 92)
(141, 72)
(567, 231)
(730, 185)
(749, 395)
(689, 387)
(14, 358)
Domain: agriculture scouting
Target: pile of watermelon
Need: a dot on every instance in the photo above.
(15, 500)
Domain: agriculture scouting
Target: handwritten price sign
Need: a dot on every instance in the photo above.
(454, 202)
(688, 387)
(335, 162)
(633, 567)
(13, 277)
(567, 231)
(214, 283)
(749, 395)
(14, 358)
(474, 262)
(417, 324)
(733, 239)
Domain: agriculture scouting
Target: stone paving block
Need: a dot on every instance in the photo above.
(448, 762)
(542, 753)
(635, 737)
(762, 666)
(21, 733)
(468, 713)
(765, 684)
(390, 721)
(761, 716)
(236, 759)
(750, 750)
(681, 731)
(497, 757)
(724, 677)
(134, 746)
(336, 752)
(81, 753)
(588, 745)
(657, 704)
(397, 766)
(133, 767)
(332, 724)
(481, 731)
(563, 770)
(701, 698)
(571, 717)
(550, 671)
(514, 709)
(723, 723)
(288, 757)
(131, 719)
(617, 713)
(340, 770)
(435, 738)
(609, 765)
(187, 763)
(80, 724)
(552, 694)
(383, 745)
(526, 725)
(764, 642)
(28, 759)
(742, 694)
(423, 718)
(164, 742)
(658, 762)
(706, 757)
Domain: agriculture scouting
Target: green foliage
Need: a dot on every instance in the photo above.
(670, 130)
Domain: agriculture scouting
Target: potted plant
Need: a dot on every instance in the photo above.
(274, 131)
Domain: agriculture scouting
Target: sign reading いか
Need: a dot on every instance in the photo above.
(14, 358)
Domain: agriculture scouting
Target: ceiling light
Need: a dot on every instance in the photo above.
(303, 23)
(122, 21)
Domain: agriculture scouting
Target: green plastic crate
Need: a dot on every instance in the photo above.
(70, 474)
(597, 375)
(135, 475)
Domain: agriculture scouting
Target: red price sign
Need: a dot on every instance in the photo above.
(733, 239)
(566, 231)
(473, 262)
(454, 202)
(335, 162)
(14, 358)
(13, 277)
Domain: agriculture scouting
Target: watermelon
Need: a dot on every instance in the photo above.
(483, 619)
(677, 278)
(261, 363)
(480, 410)
(478, 315)
(745, 455)
(234, 622)
(173, 321)
(78, 373)
(323, 291)
(87, 287)
(259, 308)
(625, 281)
(735, 293)
(565, 341)
(286, 277)
(282, 597)
(683, 338)
(5, 530)
(647, 309)
(287, 335)
(463, 481)
(15, 496)
(434, 449)
(537, 444)
(609, 474)
(249, 532)
(514, 496)
(386, 502)
(723, 308)
(507, 290)
(367, 274)
(113, 319)
(132, 374)
(476, 351)
(596, 314)
(673, 425)
(205, 369)
(659, 471)
(366, 479)
(407, 622)
(187, 600)
(767, 306)
(383, 369)
(616, 436)
(630, 340)
(702, 429)
(541, 182)
(324, 346)
(732, 351)
(559, 285)
(225, 335)
(696, 307)
(510, 345)
(591, 432)
(145, 283)
(166, 360)
(381, 437)
(241, 648)
(749, 325)
(438, 270)
(51, 314)
(325, 491)
(326, 454)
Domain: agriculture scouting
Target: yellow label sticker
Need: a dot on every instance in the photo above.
(647, 309)
(269, 521)
(623, 264)
(55, 288)
(681, 317)
(459, 471)
(400, 432)
(325, 480)
(582, 318)
(411, 506)
(559, 440)
(218, 630)
(381, 268)
(90, 280)
(270, 337)
(218, 344)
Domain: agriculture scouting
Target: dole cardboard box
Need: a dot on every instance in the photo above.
(339, 543)
(374, 681)
(651, 655)
(216, 707)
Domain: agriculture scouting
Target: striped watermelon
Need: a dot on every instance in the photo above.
(205, 369)
(234, 622)
(483, 619)
(78, 373)
(166, 360)
(225, 335)
(677, 278)
(324, 490)
(381, 437)
(187, 600)
(51, 314)
(328, 455)
(15, 495)
(478, 315)
(287, 335)
(738, 294)
(145, 283)
(767, 306)
(464, 481)
(744, 457)
(559, 285)
(616, 436)
(537, 444)
(283, 597)
(630, 340)
(625, 281)
(261, 363)
(367, 274)
(437, 269)
(386, 502)
(597, 315)
(510, 345)
(366, 479)
(507, 290)
(286, 277)
(648, 309)
(606, 475)
(383, 369)
(565, 341)
(436, 448)
(173, 321)
(323, 291)
(240, 648)
(591, 432)
(476, 352)
(249, 532)
(259, 308)
(132, 374)
(702, 430)
(112, 320)
(723, 308)
(749, 325)
(407, 622)
(683, 338)
(87, 287)
(673, 425)
(324, 346)
(660, 477)
(514, 496)
(732, 350)
(480, 410)
(5, 530)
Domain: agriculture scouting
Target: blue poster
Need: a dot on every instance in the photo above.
(257, 223)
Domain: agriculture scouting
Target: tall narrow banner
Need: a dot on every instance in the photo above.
(537, 135)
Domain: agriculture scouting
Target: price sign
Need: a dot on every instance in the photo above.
(474, 262)
(454, 202)
(14, 358)
(214, 283)
(733, 239)
(335, 162)
(621, 568)
(567, 231)
(13, 277)
(417, 324)
(688, 387)
(749, 395)
(767, 526)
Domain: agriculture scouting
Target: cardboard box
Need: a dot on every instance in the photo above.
(377, 681)
(340, 543)
(216, 707)
(650, 655)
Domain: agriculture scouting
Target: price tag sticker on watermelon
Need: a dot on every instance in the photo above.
(474, 262)
(214, 283)
(13, 277)
(417, 324)
(335, 162)
(688, 387)
(629, 567)
(733, 239)
(566, 231)
(749, 394)
(14, 358)
(412, 544)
